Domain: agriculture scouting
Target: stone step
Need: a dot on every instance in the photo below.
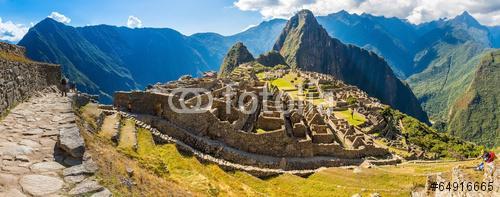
(128, 135)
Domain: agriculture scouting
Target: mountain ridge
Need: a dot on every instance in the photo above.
(306, 45)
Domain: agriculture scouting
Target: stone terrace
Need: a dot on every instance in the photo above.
(267, 131)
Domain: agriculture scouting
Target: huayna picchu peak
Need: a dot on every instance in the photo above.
(307, 46)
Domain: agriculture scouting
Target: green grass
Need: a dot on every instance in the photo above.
(346, 114)
(166, 161)
(261, 76)
(260, 130)
(282, 84)
(161, 169)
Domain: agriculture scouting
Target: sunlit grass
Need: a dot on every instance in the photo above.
(354, 120)
(12, 57)
(282, 84)
(108, 126)
(161, 169)
(127, 135)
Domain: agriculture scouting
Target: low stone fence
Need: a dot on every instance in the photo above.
(20, 80)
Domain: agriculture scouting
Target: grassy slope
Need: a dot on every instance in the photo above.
(435, 144)
(475, 115)
(127, 135)
(161, 170)
(446, 78)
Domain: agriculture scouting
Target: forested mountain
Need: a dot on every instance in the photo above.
(306, 45)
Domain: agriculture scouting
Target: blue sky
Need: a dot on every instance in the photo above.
(221, 16)
(186, 16)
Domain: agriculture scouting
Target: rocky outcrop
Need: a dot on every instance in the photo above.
(271, 59)
(237, 55)
(21, 78)
(306, 45)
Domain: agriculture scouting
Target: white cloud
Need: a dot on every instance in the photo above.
(59, 17)
(416, 11)
(12, 32)
(134, 22)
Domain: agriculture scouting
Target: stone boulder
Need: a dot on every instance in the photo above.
(71, 141)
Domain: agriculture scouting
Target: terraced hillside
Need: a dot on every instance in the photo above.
(160, 168)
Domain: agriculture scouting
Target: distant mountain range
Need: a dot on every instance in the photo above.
(437, 59)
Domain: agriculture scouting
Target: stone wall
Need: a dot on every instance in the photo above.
(12, 49)
(20, 80)
(275, 143)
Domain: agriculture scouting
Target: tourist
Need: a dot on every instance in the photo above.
(488, 160)
(64, 87)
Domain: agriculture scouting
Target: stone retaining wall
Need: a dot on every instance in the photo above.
(20, 80)
(206, 124)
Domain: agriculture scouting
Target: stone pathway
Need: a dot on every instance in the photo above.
(31, 164)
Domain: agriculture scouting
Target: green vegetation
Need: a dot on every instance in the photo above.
(280, 67)
(354, 120)
(237, 55)
(272, 59)
(282, 83)
(475, 115)
(259, 130)
(326, 86)
(351, 100)
(446, 78)
(259, 68)
(439, 145)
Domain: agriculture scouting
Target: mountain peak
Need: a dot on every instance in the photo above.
(302, 29)
(465, 14)
(303, 17)
(237, 55)
(49, 21)
(467, 19)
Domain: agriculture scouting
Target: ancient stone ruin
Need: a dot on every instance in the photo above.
(252, 122)
(21, 78)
